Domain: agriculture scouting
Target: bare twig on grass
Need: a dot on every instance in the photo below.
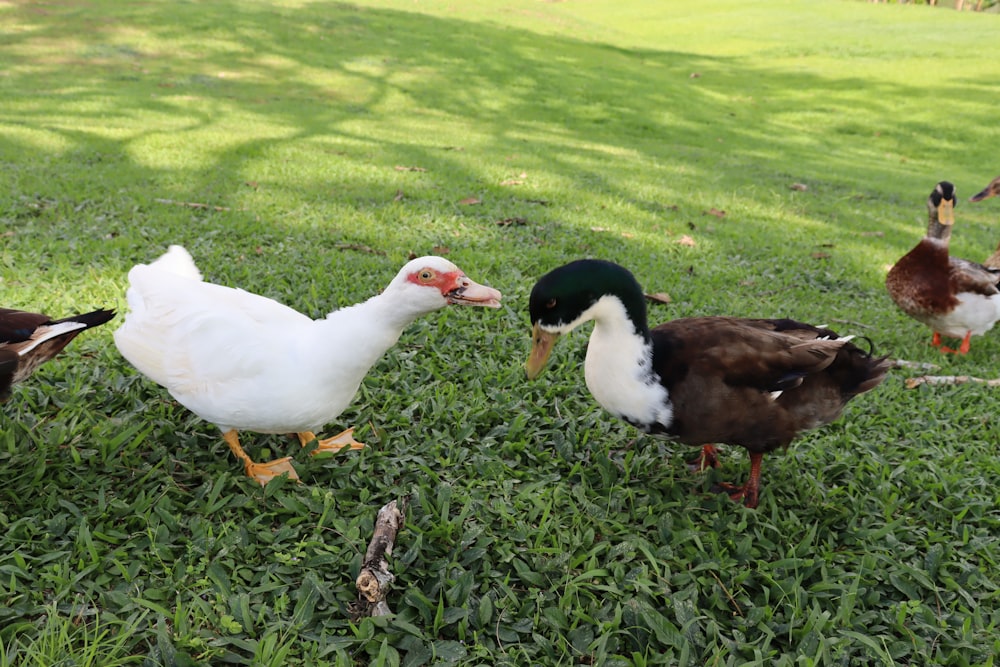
(374, 580)
(919, 365)
(193, 204)
(948, 380)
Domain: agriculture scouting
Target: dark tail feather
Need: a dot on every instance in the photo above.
(92, 319)
(864, 372)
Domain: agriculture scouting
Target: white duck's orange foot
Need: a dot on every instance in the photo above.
(333, 444)
(265, 472)
(262, 472)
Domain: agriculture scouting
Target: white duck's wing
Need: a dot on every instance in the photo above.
(188, 335)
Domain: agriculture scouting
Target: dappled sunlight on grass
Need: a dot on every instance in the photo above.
(762, 160)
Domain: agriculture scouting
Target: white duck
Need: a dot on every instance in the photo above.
(246, 362)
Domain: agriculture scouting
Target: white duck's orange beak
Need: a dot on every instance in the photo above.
(471, 293)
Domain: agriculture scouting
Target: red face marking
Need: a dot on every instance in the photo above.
(445, 282)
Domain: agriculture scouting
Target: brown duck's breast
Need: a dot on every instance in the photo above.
(920, 282)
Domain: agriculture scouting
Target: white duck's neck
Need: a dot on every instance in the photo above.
(350, 340)
(619, 367)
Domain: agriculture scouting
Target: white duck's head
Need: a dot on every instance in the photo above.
(430, 283)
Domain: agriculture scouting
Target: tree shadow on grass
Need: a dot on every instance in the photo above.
(152, 100)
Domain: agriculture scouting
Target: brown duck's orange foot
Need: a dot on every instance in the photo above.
(334, 444)
(748, 496)
(962, 349)
(707, 458)
(262, 472)
(749, 493)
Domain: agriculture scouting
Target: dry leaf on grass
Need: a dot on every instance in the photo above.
(716, 212)
(686, 240)
(507, 222)
(400, 167)
(440, 250)
(659, 297)
(820, 255)
(399, 196)
(470, 201)
(801, 187)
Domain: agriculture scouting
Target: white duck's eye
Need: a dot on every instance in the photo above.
(426, 275)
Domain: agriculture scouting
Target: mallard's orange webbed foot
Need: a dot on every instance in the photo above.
(963, 348)
(707, 458)
(936, 339)
(262, 472)
(749, 493)
(333, 444)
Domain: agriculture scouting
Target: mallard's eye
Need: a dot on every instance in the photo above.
(551, 304)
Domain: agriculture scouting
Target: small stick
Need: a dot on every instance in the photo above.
(948, 379)
(374, 580)
(919, 365)
(192, 204)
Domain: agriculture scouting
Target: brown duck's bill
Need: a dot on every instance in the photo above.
(946, 212)
(541, 347)
(474, 294)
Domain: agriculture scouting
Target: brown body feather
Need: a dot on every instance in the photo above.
(724, 375)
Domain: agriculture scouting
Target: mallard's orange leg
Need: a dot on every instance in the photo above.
(334, 444)
(936, 339)
(963, 348)
(262, 472)
(750, 491)
(708, 458)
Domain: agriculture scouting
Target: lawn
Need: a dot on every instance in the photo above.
(760, 160)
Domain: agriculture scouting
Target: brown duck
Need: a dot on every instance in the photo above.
(955, 297)
(28, 340)
(756, 383)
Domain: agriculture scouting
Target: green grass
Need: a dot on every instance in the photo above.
(539, 530)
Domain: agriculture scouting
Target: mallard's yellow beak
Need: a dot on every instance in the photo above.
(541, 347)
(946, 213)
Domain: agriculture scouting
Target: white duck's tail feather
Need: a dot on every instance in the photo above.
(139, 338)
(177, 260)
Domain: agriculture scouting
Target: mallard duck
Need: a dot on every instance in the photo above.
(991, 190)
(28, 340)
(955, 297)
(247, 363)
(755, 383)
